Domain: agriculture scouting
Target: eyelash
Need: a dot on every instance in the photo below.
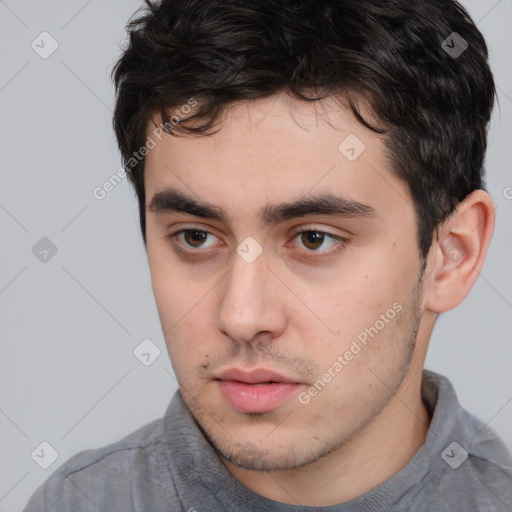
(308, 254)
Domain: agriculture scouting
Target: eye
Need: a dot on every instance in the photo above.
(193, 238)
(317, 241)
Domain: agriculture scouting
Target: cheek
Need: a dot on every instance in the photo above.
(170, 288)
(186, 322)
(356, 304)
(378, 279)
(366, 314)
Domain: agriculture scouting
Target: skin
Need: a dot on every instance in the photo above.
(295, 314)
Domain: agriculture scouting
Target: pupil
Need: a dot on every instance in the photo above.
(313, 237)
(197, 236)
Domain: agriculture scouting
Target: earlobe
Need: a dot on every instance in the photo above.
(459, 252)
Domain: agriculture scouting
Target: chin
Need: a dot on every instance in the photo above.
(275, 454)
(250, 457)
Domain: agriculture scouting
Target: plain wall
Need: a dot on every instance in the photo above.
(68, 326)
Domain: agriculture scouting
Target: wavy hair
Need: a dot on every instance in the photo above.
(431, 106)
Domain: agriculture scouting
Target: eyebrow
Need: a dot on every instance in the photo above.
(172, 200)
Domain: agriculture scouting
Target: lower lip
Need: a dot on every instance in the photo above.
(247, 398)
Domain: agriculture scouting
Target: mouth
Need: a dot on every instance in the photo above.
(255, 391)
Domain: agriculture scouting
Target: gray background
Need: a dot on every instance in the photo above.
(69, 325)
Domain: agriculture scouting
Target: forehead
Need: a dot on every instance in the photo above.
(275, 149)
(272, 122)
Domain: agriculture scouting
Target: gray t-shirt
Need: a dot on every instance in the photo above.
(169, 465)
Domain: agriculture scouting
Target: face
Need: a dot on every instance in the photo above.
(286, 272)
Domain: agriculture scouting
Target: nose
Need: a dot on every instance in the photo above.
(251, 301)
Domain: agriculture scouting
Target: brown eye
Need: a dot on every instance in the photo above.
(316, 243)
(312, 239)
(194, 237)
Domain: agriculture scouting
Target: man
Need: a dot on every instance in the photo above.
(310, 182)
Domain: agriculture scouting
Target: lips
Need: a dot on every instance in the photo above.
(255, 391)
(256, 376)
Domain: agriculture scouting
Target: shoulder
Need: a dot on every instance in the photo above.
(471, 464)
(489, 456)
(104, 477)
(145, 437)
(477, 468)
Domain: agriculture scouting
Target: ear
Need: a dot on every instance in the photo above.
(458, 254)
